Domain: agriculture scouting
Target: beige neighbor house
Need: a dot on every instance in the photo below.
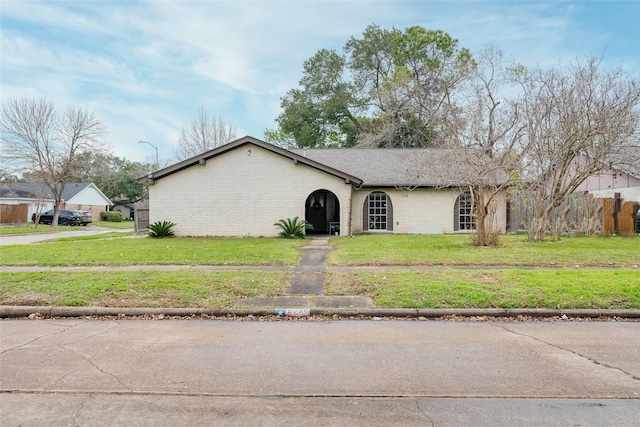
(244, 187)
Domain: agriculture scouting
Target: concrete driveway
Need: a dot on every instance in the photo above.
(26, 239)
(345, 372)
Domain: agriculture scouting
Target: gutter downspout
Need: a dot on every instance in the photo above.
(350, 211)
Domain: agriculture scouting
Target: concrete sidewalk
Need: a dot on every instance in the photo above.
(341, 373)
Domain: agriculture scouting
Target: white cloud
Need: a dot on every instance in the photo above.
(145, 67)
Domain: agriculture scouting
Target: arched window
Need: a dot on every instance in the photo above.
(377, 212)
(464, 212)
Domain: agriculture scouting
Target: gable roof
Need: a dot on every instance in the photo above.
(369, 167)
(202, 159)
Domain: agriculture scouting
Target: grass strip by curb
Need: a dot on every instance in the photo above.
(139, 288)
(584, 289)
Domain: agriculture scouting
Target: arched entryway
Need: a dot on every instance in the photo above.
(322, 210)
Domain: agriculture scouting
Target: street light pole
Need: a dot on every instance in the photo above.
(146, 142)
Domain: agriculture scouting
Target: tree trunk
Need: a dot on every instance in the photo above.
(540, 228)
(481, 212)
(593, 220)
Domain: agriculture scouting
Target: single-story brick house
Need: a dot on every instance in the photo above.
(244, 187)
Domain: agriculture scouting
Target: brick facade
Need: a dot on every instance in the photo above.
(245, 190)
(240, 193)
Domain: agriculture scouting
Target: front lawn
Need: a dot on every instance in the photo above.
(148, 251)
(514, 251)
(572, 273)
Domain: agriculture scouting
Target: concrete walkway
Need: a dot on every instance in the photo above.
(307, 285)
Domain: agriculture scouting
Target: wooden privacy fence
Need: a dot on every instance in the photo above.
(580, 213)
(620, 218)
(14, 214)
(141, 215)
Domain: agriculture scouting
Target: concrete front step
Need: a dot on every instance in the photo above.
(306, 301)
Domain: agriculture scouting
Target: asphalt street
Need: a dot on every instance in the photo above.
(66, 372)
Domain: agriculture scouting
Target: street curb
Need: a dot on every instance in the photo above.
(50, 311)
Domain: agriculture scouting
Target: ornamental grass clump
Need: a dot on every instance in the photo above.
(161, 229)
(293, 228)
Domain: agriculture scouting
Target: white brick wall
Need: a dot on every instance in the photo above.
(240, 193)
(421, 211)
(243, 192)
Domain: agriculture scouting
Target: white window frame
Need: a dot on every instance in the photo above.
(466, 219)
(378, 211)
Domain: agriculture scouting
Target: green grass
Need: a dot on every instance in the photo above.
(455, 250)
(492, 288)
(208, 289)
(148, 251)
(101, 236)
(42, 228)
(612, 279)
(122, 224)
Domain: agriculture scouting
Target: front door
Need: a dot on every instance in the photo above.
(316, 212)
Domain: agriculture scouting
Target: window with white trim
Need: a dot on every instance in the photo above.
(377, 211)
(466, 221)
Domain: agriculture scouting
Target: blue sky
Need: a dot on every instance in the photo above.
(145, 68)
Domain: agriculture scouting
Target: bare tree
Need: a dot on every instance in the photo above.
(580, 122)
(38, 139)
(206, 132)
(486, 136)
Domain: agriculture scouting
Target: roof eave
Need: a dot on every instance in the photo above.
(201, 159)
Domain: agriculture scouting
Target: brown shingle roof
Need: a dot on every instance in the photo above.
(401, 167)
(371, 167)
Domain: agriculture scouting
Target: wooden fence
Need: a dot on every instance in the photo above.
(141, 215)
(580, 213)
(620, 218)
(14, 214)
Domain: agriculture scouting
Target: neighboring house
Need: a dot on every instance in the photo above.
(75, 196)
(624, 179)
(244, 187)
(125, 208)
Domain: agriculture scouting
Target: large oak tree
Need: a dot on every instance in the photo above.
(384, 89)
